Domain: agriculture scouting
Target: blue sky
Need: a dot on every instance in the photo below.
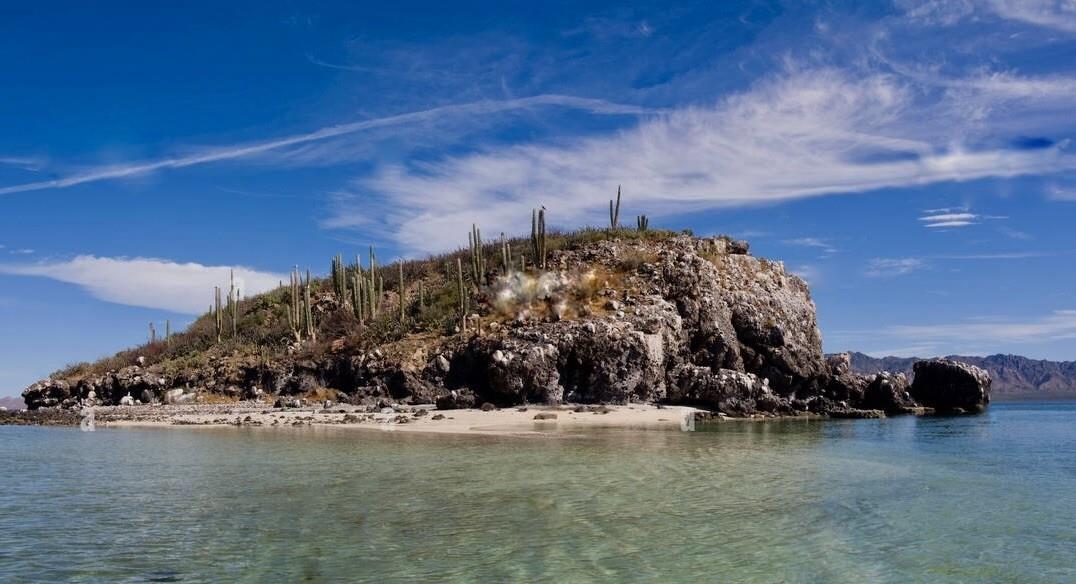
(912, 160)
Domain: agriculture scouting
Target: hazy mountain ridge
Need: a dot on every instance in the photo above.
(12, 403)
(1012, 374)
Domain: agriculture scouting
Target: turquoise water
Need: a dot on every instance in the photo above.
(989, 498)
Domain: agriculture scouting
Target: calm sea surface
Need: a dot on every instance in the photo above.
(990, 498)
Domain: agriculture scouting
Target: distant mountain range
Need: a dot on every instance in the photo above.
(1015, 377)
(12, 403)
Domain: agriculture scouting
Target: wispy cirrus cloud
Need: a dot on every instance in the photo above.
(1055, 14)
(813, 242)
(1058, 325)
(232, 152)
(801, 134)
(892, 267)
(809, 273)
(1058, 14)
(1060, 193)
(148, 282)
(23, 162)
(1020, 255)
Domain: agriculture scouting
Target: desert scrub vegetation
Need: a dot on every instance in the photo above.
(632, 260)
(363, 304)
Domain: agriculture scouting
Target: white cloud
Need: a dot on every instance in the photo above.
(1010, 85)
(941, 218)
(148, 282)
(23, 162)
(912, 351)
(1059, 14)
(890, 267)
(815, 242)
(1059, 193)
(232, 152)
(807, 133)
(950, 224)
(999, 256)
(1059, 325)
(810, 274)
(1056, 14)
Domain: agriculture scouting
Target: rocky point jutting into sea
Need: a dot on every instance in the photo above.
(615, 317)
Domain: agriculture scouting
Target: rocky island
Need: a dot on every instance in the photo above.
(596, 317)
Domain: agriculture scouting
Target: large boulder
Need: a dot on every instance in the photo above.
(888, 392)
(730, 392)
(950, 386)
(845, 385)
(47, 393)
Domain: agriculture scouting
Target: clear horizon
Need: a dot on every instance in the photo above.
(913, 161)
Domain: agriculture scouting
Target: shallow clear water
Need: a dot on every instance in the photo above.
(988, 498)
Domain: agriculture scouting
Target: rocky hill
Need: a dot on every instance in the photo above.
(1013, 376)
(597, 316)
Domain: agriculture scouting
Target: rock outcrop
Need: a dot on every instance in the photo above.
(889, 392)
(678, 320)
(1010, 375)
(950, 386)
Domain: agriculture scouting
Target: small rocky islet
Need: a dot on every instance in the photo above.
(591, 317)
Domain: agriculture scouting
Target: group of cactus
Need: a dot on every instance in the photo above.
(538, 247)
(167, 332)
(229, 310)
(366, 289)
(362, 290)
(300, 311)
(478, 259)
(506, 255)
(642, 222)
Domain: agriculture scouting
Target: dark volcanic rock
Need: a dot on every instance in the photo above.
(949, 386)
(889, 393)
(456, 399)
(844, 384)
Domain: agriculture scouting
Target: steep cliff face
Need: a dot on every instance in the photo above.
(675, 320)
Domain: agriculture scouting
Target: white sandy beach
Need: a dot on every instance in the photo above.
(520, 421)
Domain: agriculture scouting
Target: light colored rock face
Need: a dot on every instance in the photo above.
(691, 305)
(747, 314)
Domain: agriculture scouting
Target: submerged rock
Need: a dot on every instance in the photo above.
(856, 414)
